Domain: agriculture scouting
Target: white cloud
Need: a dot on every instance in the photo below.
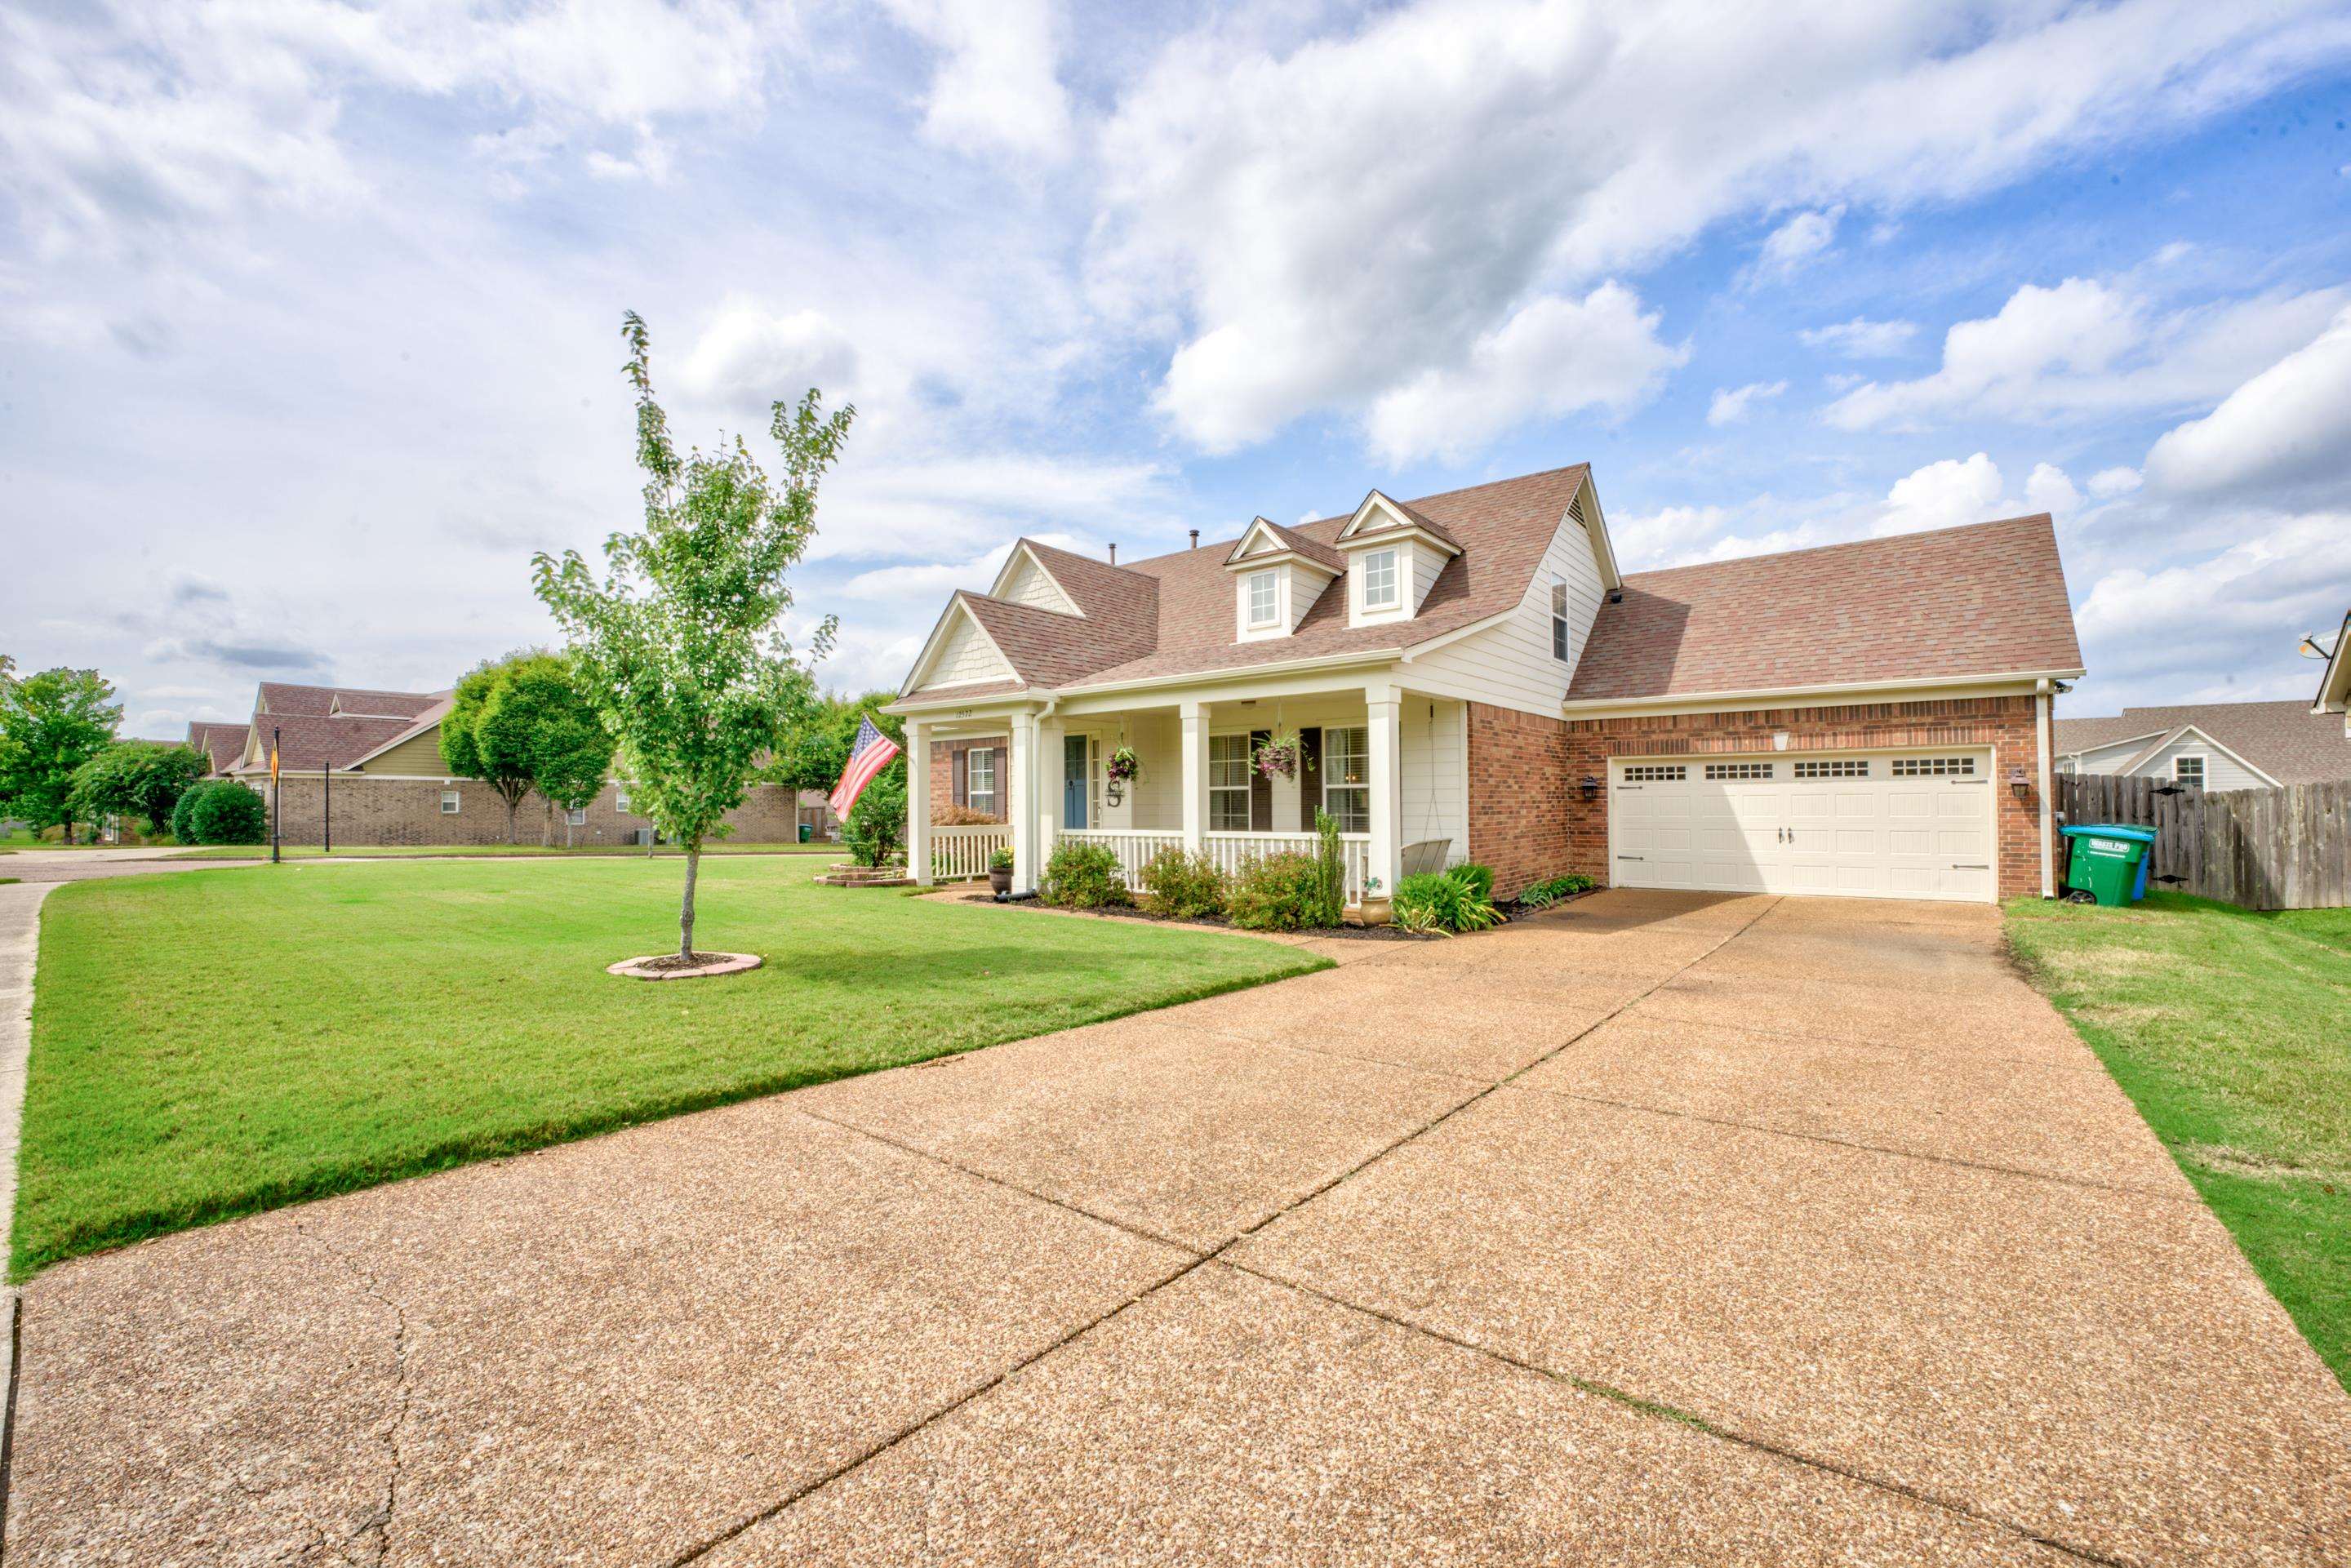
(1313, 224)
(1943, 494)
(2086, 347)
(1732, 404)
(1551, 358)
(952, 509)
(1862, 338)
(2047, 489)
(995, 89)
(1795, 244)
(750, 357)
(2108, 482)
(2288, 429)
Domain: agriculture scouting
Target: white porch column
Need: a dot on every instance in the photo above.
(1020, 803)
(1384, 710)
(1047, 812)
(918, 800)
(1195, 782)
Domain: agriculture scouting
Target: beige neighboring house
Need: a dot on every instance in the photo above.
(1471, 677)
(2213, 745)
(374, 758)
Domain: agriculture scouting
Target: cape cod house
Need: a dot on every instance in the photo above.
(1470, 675)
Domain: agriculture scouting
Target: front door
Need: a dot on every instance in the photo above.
(1075, 785)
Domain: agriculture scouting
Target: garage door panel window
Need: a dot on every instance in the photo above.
(1656, 773)
(1739, 770)
(1841, 768)
(1933, 767)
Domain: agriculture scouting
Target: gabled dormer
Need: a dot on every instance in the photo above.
(1394, 556)
(1277, 574)
(1026, 579)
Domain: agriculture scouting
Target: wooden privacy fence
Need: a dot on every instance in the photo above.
(2263, 849)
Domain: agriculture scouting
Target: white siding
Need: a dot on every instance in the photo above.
(1031, 585)
(1432, 803)
(1511, 665)
(1428, 565)
(2222, 772)
(967, 655)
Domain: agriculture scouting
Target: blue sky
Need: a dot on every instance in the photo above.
(312, 309)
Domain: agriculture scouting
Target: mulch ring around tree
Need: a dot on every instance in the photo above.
(674, 966)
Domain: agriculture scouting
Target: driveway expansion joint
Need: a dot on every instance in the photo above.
(378, 1524)
(2120, 1189)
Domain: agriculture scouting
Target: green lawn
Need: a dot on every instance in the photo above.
(210, 1043)
(2232, 1031)
(502, 851)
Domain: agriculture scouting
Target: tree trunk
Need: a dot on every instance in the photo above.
(685, 912)
(514, 804)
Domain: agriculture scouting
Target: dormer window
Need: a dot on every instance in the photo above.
(1381, 587)
(1263, 600)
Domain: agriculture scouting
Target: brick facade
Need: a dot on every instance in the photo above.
(944, 810)
(2007, 724)
(379, 811)
(1519, 822)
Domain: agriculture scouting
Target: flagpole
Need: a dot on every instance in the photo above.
(326, 781)
(277, 795)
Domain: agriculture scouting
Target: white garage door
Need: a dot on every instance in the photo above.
(1866, 825)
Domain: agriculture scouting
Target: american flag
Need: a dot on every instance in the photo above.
(870, 755)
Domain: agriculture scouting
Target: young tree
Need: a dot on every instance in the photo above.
(50, 724)
(498, 757)
(681, 646)
(141, 778)
(876, 827)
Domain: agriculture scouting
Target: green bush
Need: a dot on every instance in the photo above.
(1445, 902)
(1187, 886)
(1479, 876)
(1330, 883)
(1542, 894)
(1000, 857)
(1278, 891)
(184, 812)
(876, 829)
(1083, 876)
(223, 812)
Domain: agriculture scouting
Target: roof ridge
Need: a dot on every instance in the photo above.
(1844, 545)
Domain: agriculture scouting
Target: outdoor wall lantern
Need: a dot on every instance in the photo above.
(2016, 781)
(1591, 787)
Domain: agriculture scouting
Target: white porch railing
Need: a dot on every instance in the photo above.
(1136, 846)
(960, 853)
(1228, 849)
(1133, 846)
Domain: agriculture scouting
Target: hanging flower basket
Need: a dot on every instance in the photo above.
(1277, 757)
(1123, 766)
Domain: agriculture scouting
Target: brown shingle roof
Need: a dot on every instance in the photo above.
(284, 698)
(1503, 529)
(1313, 549)
(223, 743)
(309, 741)
(2284, 739)
(1988, 599)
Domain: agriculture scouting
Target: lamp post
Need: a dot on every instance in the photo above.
(327, 784)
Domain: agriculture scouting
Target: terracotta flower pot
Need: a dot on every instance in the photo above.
(999, 881)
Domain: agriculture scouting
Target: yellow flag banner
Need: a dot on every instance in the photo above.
(273, 765)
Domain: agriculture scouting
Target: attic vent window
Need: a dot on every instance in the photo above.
(1380, 590)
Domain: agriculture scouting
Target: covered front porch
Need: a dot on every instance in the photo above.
(1144, 773)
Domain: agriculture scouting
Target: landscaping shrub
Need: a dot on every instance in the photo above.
(225, 812)
(1331, 882)
(1479, 876)
(876, 829)
(1542, 894)
(184, 812)
(1445, 902)
(1083, 876)
(1185, 885)
(1278, 891)
(1000, 857)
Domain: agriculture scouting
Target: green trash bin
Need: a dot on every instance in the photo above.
(2108, 864)
(807, 832)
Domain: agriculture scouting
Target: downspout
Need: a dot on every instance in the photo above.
(2042, 700)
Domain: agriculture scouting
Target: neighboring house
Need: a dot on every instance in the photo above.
(2334, 684)
(2215, 746)
(1471, 676)
(390, 785)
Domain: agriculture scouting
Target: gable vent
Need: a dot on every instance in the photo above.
(1575, 509)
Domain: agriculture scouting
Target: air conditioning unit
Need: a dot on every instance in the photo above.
(643, 838)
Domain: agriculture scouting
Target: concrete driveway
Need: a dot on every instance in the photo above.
(1657, 1229)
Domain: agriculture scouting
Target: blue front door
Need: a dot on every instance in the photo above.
(1074, 791)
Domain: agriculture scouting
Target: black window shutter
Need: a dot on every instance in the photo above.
(1310, 778)
(960, 767)
(1260, 787)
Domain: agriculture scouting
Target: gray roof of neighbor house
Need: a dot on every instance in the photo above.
(1987, 599)
(2284, 739)
(223, 744)
(1173, 614)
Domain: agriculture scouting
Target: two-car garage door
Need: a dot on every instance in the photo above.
(1863, 824)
